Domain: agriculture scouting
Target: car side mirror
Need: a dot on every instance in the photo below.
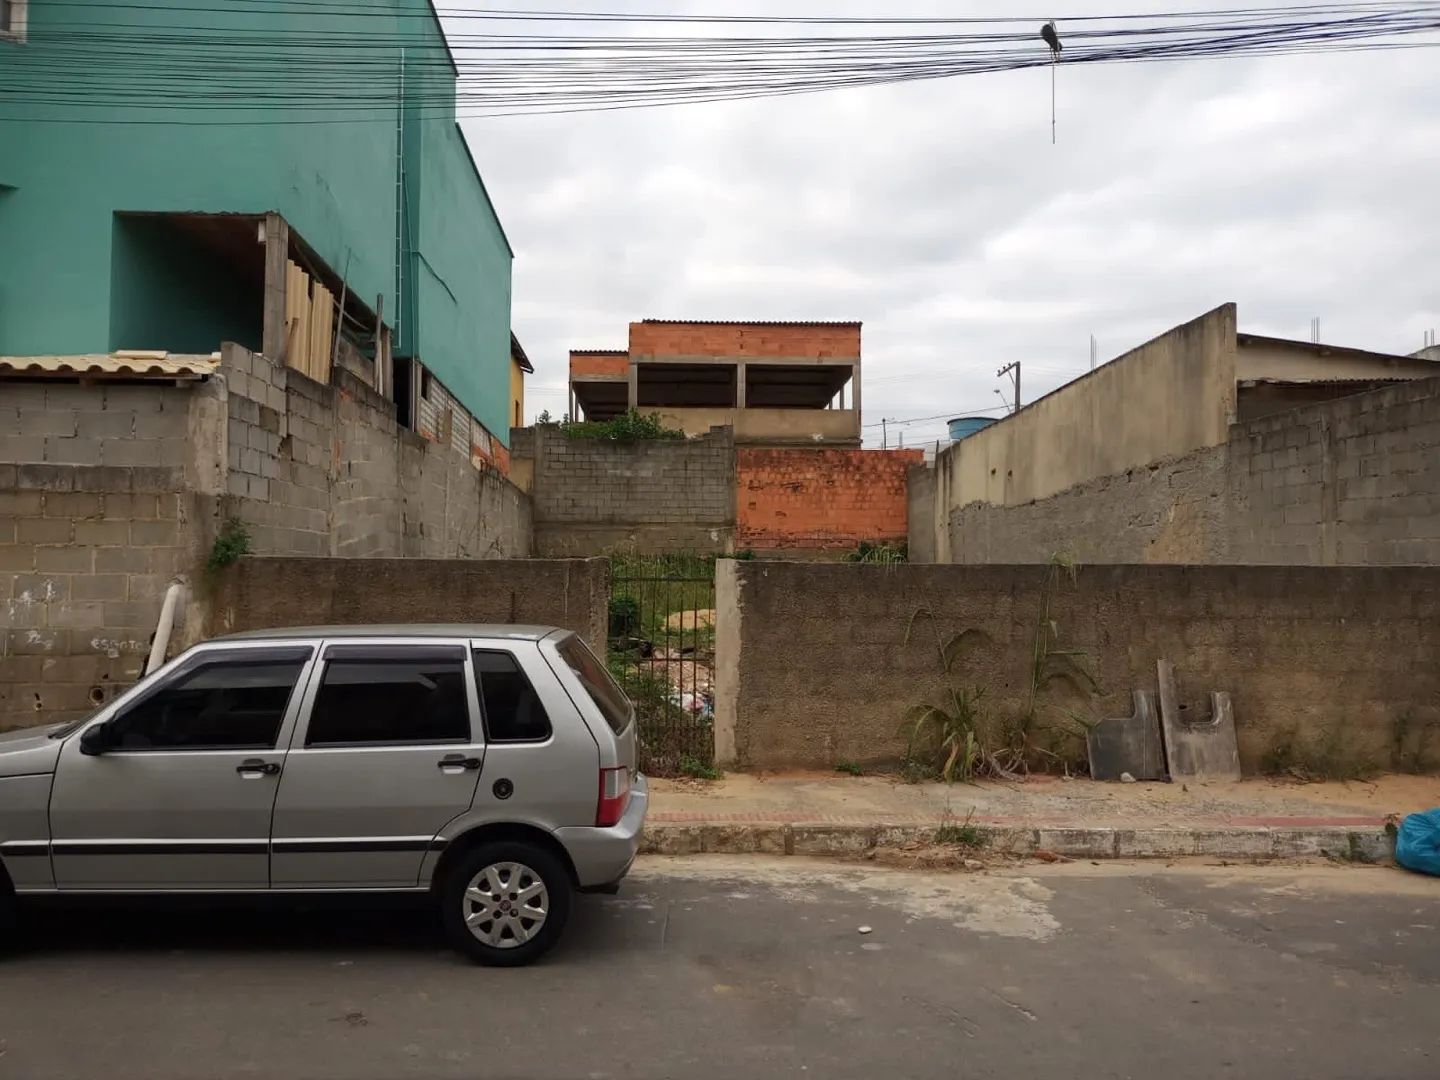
(96, 740)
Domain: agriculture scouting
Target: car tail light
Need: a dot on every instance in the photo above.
(614, 796)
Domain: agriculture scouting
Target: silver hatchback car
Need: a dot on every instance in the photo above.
(493, 766)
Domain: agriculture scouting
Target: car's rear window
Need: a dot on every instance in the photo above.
(603, 690)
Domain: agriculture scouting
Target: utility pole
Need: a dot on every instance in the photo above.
(1013, 370)
(884, 434)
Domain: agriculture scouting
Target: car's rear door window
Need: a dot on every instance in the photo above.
(603, 690)
(511, 707)
(383, 695)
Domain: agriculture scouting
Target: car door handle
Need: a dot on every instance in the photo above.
(458, 761)
(253, 769)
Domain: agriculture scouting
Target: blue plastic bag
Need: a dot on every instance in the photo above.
(1417, 845)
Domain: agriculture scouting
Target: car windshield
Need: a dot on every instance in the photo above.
(603, 690)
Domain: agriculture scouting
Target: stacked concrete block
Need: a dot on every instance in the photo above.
(86, 554)
(592, 496)
(1345, 655)
(1350, 481)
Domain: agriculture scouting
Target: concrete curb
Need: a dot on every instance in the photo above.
(1352, 843)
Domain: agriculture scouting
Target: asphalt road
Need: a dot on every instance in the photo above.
(724, 967)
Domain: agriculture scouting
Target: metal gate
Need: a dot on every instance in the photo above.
(662, 651)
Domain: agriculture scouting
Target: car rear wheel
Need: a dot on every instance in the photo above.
(505, 903)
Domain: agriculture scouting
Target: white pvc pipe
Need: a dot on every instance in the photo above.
(163, 628)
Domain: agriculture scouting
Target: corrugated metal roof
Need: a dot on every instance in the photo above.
(599, 352)
(754, 322)
(134, 365)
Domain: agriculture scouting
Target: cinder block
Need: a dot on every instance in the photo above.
(83, 615)
(101, 478)
(41, 421)
(22, 448)
(154, 533)
(64, 560)
(44, 531)
(37, 642)
(122, 560)
(103, 425)
(72, 504)
(97, 587)
(76, 451)
(20, 503)
(133, 452)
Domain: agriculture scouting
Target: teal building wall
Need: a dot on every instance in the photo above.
(175, 107)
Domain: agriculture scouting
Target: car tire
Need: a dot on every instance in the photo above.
(505, 904)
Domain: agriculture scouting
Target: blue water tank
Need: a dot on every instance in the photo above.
(964, 426)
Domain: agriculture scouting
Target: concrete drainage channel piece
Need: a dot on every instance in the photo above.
(1230, 842)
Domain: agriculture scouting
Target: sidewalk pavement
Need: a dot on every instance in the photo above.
(826, 814)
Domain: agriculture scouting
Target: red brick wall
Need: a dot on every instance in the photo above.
(841, 342)
(598, 363)
(812, 498)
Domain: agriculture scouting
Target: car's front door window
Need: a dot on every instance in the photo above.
(220, 705)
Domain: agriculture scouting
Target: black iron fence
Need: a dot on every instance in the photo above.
(662, 651)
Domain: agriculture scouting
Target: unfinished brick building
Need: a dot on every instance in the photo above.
(772, 462)
(772, 383)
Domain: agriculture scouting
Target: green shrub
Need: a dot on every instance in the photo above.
(630, 427)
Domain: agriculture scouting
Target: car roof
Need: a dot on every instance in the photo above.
(503, 631)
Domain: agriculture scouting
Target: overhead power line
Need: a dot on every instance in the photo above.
(233, 63)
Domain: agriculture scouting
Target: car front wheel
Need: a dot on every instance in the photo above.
(505, 903)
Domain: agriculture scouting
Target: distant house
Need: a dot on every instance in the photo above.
(520, 366)
(772, 383)
(320, 212)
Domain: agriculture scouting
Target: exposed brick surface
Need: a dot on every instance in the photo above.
(827, 342)
(821, 498)
(606, 362)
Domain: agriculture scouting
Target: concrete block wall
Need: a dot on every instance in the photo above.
(96, 519)
(110, 492)
(327, 470)
(1306, 653)
(591, 495)
(1353, 481)
(263, 592)
(1356, 480)
(813, 498)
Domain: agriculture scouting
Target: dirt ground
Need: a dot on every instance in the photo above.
(833, 797)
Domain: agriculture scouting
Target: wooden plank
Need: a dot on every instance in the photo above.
(273, 311)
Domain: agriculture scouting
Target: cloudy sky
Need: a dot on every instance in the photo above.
(941, 216)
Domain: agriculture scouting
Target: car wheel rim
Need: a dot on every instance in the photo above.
(505, 905)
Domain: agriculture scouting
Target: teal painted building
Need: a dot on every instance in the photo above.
(131, 133)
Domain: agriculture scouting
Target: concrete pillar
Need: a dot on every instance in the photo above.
(727, 660)
(855, 386)
(277, 250)
(634, 387)
(740, 386)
